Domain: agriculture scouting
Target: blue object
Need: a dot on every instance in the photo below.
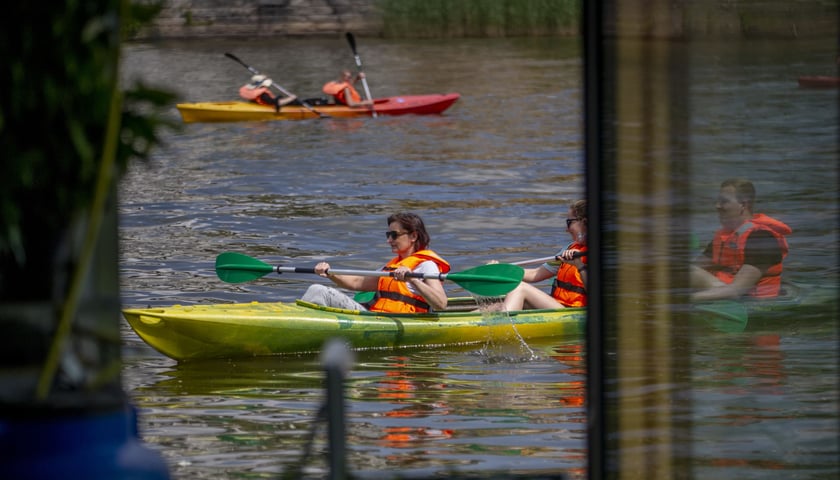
(96, 446)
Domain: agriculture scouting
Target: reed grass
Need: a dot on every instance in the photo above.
(479, 18)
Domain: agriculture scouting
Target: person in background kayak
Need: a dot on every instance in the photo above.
(409, 240)
(569, 286)
(745, 255)
(344, 92)
(258, 91)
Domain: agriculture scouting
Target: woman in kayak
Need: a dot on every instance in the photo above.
(398, 293)
(257, 91)
(344, 92)
(569, 286)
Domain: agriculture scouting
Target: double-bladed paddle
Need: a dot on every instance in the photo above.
(486, 280)
(352, 41)
(275, 85)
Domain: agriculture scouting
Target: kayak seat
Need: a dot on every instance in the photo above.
(319, 101)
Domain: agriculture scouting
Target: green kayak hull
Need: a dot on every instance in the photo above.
(796, 306)
(256, 329)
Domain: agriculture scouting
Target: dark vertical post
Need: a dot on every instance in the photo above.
(593, 74)
(336, 360)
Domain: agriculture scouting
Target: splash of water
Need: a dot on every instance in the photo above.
(510, 349)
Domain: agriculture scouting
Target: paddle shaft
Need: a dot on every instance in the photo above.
(352, 41)
(555, 258)
(361, 273)
(275, 85)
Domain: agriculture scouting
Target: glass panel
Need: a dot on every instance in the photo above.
(685, 97)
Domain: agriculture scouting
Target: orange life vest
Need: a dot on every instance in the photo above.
(568, 287)
(728, 253)
(394, 296)
(255, 94)
(337, 89)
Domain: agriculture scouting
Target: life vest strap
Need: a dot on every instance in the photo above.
(401, 298)
(567, 286)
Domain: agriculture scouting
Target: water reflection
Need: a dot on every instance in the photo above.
(454, 406)
(750, 397)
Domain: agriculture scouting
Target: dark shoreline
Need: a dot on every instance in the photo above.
(489, 18)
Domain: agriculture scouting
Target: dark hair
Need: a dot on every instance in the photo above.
(412, 223)
(744, 191)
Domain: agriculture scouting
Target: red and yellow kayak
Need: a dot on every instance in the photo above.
(249, 112)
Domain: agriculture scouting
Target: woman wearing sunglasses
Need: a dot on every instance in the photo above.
(569, 286)
(409, 240)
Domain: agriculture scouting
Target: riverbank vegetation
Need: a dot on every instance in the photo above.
(479, 18)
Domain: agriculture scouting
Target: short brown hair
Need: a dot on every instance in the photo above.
(744, 190)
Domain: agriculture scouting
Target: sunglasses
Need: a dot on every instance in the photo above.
(570, 221)
(392, 235)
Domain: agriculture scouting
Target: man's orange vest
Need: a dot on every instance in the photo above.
(336, 89)
(255, 94)
(728, 252)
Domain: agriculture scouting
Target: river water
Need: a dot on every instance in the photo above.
(492, 178)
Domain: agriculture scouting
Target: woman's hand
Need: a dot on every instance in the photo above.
(323, 269)
(569, 256)
(400, 274)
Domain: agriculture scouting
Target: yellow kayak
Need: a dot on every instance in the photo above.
(254, 329)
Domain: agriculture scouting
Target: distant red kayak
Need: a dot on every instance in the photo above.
(819, 81)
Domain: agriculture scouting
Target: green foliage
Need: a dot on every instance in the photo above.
(60, 108)
(479, 18)
(140, 15)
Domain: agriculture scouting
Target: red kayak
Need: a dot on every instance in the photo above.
(819, 81)
(244, 111)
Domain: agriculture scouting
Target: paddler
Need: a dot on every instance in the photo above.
(568, 270)
(343, 91)
(258, 91)
(745, 255)
(398, 293)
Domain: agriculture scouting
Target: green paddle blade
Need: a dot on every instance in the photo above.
(489, 280)
(726, 316)
(235, 267)
(364, 297)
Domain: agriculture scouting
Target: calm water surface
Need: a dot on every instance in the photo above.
(492, 178)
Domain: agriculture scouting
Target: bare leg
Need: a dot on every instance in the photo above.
(528, 296)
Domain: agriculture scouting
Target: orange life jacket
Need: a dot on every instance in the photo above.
(255, 94)
(394, 296)
(728, 252)
(337, 89)
(568, 287)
